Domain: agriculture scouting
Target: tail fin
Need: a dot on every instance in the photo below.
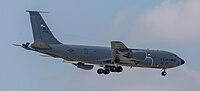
(41, 32)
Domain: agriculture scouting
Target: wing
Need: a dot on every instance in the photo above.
(118, 45)
(121, 53)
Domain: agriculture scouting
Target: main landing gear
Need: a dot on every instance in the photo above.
(107, 70)
(163, 73)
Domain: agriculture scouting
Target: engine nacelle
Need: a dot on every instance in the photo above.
(147, 62)
(138, 55)
(83, 66)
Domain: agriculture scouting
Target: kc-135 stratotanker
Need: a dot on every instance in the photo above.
(109, 59)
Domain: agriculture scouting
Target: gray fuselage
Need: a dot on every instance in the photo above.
(102, 56)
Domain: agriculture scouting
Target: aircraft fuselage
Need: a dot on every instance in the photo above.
(95, 55)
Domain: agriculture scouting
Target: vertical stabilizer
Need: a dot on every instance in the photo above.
(41, 32)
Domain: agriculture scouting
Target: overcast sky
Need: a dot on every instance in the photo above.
(172, 25)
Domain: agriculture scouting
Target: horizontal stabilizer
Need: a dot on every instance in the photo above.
(25, 46)
(17, 45)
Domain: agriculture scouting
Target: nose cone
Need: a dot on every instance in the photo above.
(182, 61)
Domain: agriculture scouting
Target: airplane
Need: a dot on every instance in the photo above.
(110, 59)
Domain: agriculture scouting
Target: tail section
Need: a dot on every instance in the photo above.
(41, 32)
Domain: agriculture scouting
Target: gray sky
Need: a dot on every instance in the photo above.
(172, 25)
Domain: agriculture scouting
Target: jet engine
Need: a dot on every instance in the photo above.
(83, 66)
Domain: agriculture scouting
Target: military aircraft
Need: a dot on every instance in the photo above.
(110, 59)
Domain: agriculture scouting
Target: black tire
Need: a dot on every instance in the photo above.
(100, 71)
(119, 69)
(164, 73)
(106, 71)
(113, 69)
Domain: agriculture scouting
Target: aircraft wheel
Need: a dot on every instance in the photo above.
(106, 71)
(119, 69)
(113, 69)
(164, 73)
(100, 71)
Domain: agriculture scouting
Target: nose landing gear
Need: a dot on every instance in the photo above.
(163, 73)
